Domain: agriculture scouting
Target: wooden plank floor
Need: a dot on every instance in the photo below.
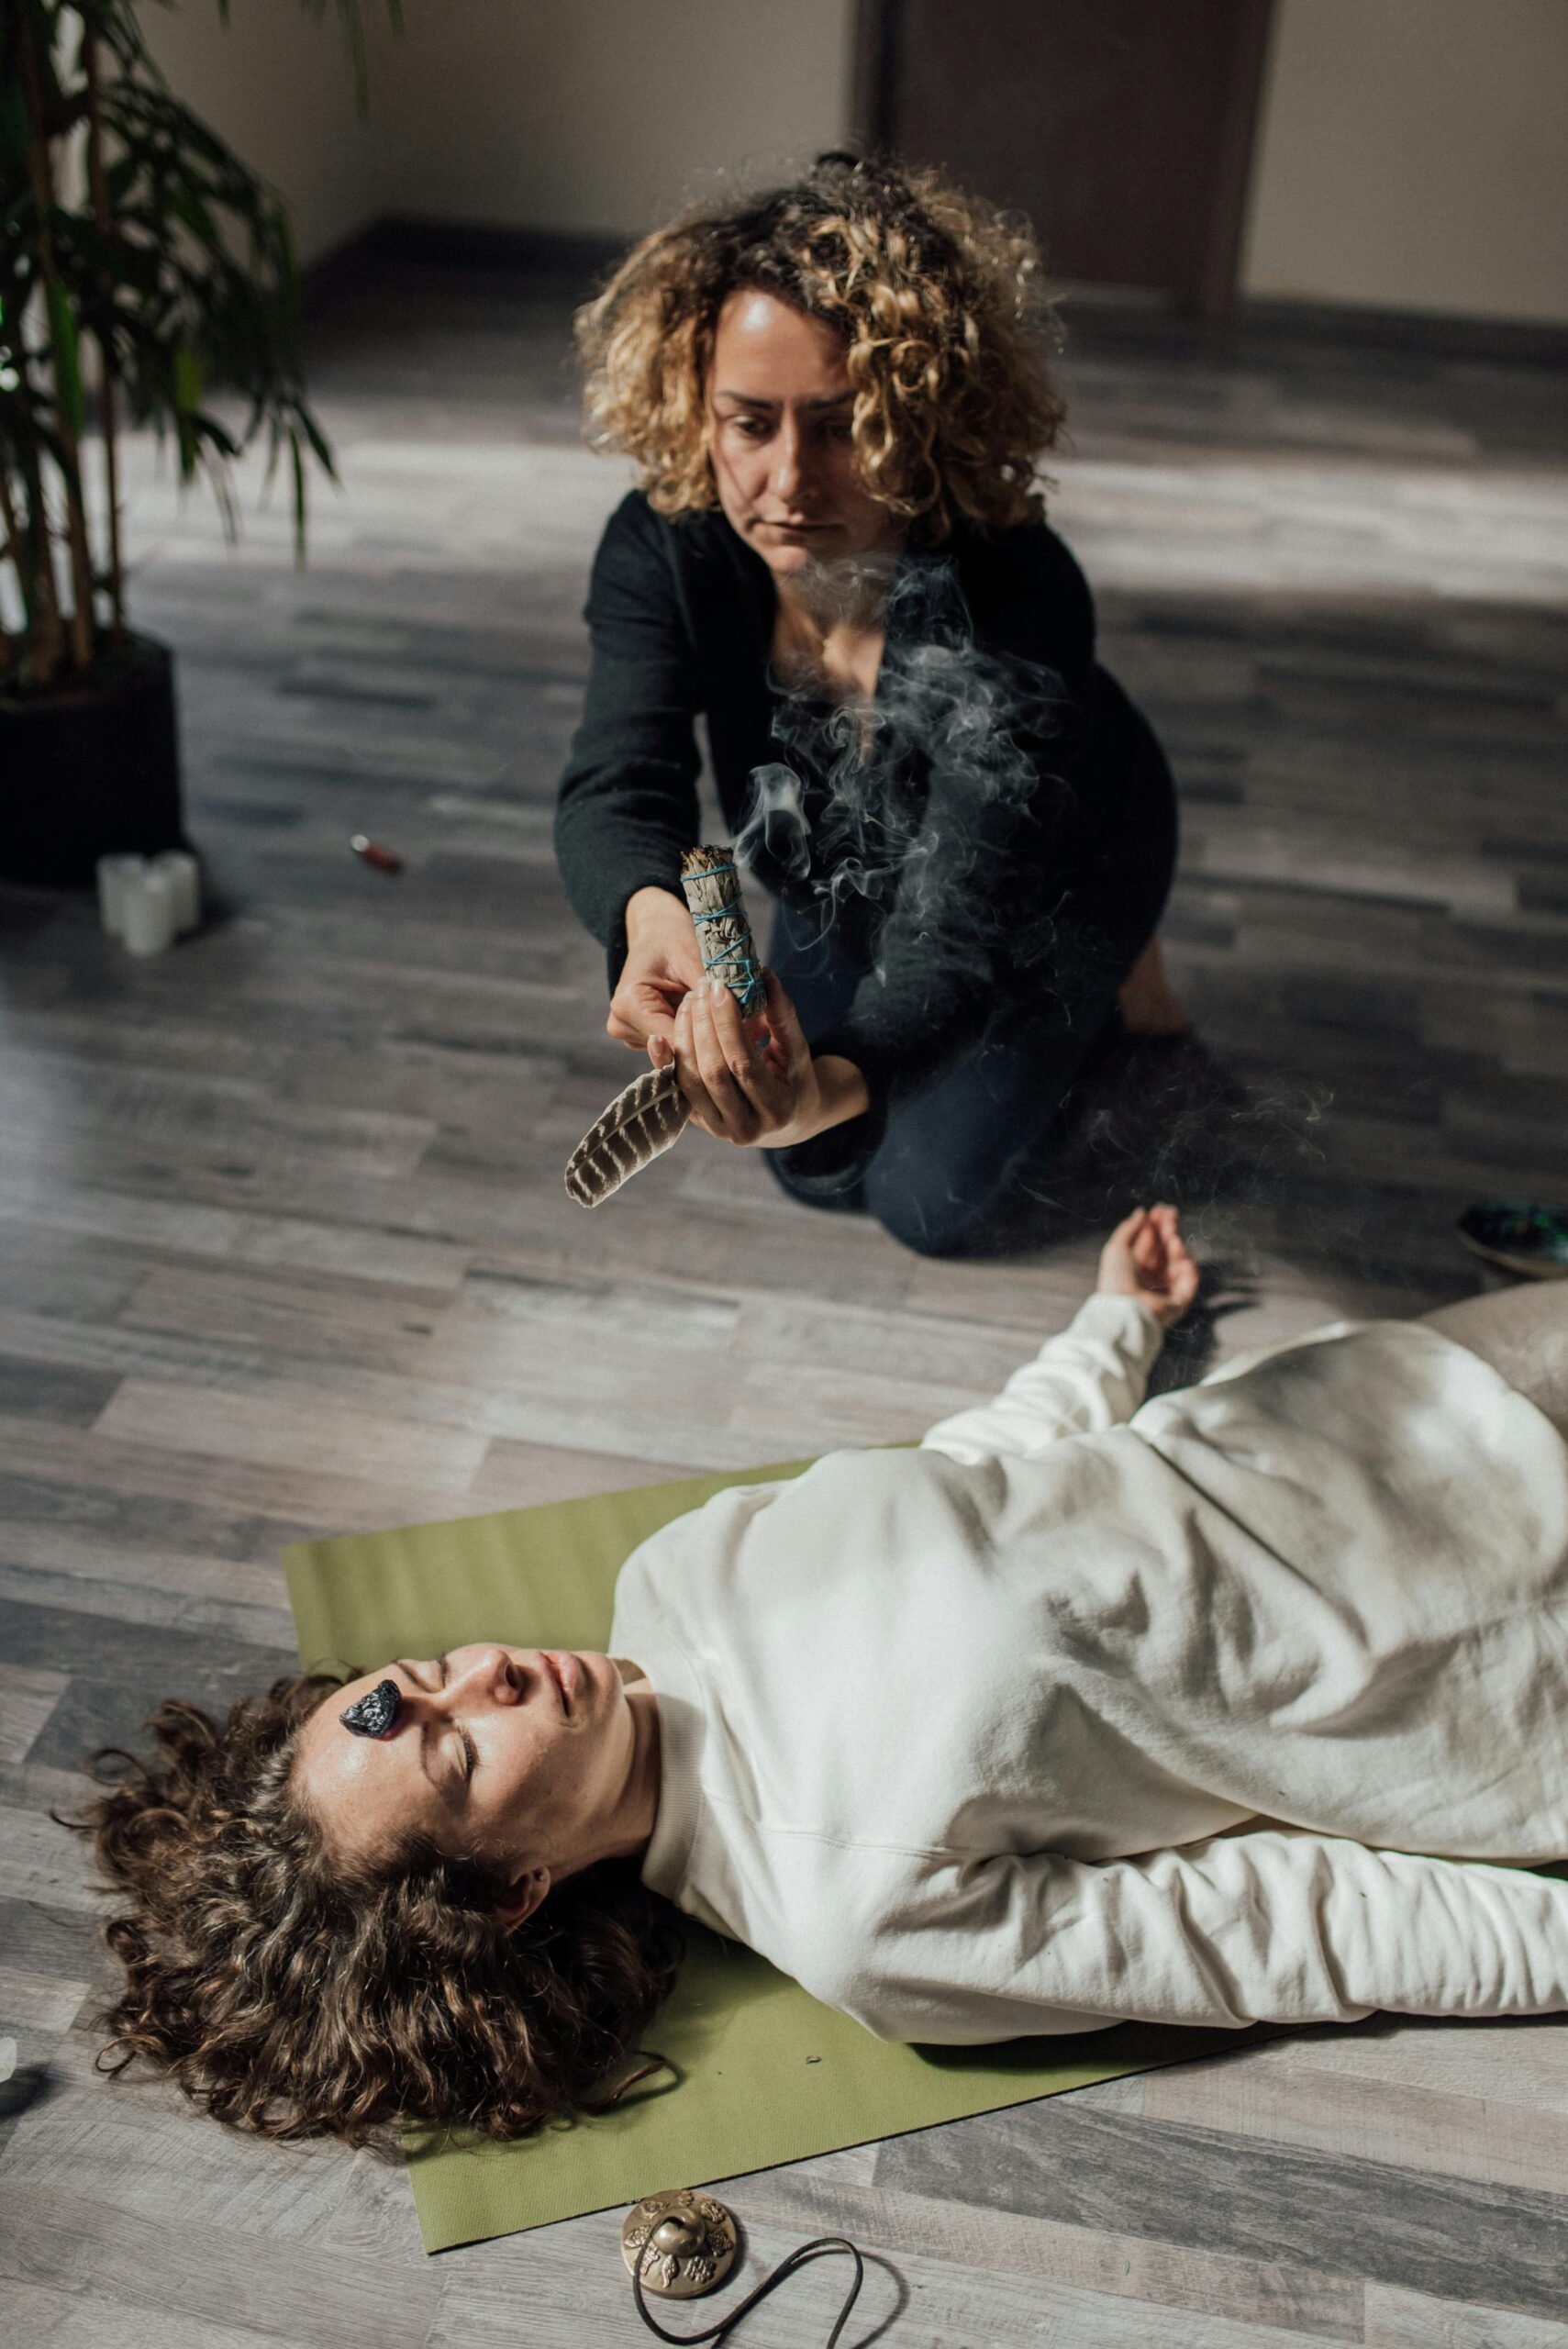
(284, 1250)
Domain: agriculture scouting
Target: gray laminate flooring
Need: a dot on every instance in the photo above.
(283, 1249)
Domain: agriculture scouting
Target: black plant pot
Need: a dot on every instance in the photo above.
(86, 772)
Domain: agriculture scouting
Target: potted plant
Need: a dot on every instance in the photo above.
(144, 271)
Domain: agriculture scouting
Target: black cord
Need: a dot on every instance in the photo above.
(819, 2247)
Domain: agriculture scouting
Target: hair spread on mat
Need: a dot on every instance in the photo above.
(295, 1996)
(940, 301)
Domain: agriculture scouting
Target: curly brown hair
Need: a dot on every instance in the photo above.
(941, 302)
(295, 1996)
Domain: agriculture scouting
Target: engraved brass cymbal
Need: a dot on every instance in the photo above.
(685, 2241)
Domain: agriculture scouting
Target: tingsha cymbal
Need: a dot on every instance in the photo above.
(682, 2243)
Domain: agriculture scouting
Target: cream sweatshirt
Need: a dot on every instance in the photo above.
(1205, 1712)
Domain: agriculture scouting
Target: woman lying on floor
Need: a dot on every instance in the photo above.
(1222, 1709)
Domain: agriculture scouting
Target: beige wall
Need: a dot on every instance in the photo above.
(602, 114)
(278, 88)
(1413, 155)
(589, 115)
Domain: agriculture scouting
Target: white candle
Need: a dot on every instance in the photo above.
(149, 911)
(114, 873)
(185, 878)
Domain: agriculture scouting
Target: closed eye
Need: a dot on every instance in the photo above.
(469, 1751)
(441, 1671)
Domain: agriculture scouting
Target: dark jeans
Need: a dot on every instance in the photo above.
(955, 1165)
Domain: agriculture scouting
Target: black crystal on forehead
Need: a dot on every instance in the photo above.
(373, 1716)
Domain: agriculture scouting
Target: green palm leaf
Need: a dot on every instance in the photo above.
(67, 349)
(183, 276)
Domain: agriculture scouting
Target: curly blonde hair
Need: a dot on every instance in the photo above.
(293, 1996)
(940, 299)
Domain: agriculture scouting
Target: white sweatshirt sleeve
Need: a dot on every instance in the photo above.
(1273, 1925)
(1089, 1377)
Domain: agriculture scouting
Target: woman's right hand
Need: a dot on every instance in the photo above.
(663, 963)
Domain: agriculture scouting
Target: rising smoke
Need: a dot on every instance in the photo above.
(929, 800)
(930, 797)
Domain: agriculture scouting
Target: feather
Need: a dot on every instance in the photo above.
(651, 1113)
(639, 1124)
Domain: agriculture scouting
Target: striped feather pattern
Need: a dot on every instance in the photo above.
(639, 1124)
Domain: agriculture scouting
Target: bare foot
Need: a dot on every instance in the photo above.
(1149, 1005)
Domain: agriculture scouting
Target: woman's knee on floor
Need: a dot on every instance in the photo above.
(931, 1213)
(930, 1216)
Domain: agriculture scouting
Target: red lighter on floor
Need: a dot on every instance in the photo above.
(384, 860)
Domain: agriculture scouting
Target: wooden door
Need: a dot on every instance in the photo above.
(1123, 128)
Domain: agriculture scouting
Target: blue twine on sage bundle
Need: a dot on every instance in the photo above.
(734, 955)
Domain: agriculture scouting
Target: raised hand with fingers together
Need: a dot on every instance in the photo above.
(1147, 1258)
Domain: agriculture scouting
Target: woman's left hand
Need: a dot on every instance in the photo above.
(1146, 1257)
(740, 1088)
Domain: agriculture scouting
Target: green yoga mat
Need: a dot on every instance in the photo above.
(764, 2073)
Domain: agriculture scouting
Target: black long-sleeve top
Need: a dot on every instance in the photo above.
(1011, 828)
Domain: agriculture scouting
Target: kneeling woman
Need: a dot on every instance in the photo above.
(836, 395)
(1217, 1709)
